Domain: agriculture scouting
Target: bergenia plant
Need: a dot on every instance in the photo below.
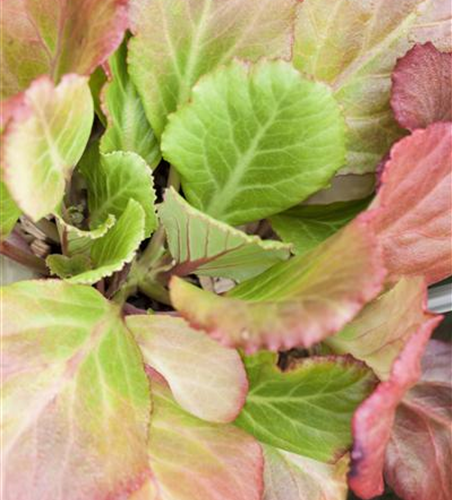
(231, 211)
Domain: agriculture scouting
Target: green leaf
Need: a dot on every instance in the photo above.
(294, 303)
(9, 212)
(128, 128)
(118, 247)
(202, 245)
(308, 409)
(65, 267)
(254, 140)
(78, 241)
(306, 226)
(114, 179)
(177, 42)
(44, 139)
(73, 391)
(55, 38)
(96, 83)
(292, 477)
(353, 46)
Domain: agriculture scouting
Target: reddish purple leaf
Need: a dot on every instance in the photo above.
(373, 421)
(422, 87)
(415, 221)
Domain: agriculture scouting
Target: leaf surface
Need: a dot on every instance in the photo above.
(374, 419)
(128, 128)
(202, 245)
(254, 140)
(380, 331)
(9, 212)
(353, 46)
(308, 409)
(422, 87)
(54, 38)
(415, 222)
(114, 179)
(191, 458)
(306, 226)
(419, 452)
(73, 390)
(295, 303)
(65, 267)
(207, 379)
(43, 140)
(117, 248)
(179, 41)
(292, 477)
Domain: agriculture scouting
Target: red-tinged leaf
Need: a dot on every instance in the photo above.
(193, 459)
(415, 221)
(216, 389)
(75, 397)
(422, 87)
(373, 421)
(48, 37)
(419, 453)
(295, 303)
(379, 333)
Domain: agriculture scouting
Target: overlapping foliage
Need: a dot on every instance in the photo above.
(224, 307)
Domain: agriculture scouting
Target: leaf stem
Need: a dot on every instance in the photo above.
(173, 179)
(155, 291)
(27, 259)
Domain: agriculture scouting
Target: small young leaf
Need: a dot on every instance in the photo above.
(47, 37)
(353, 46)
(419, 452)
(193, 459)
(380, 331)
(177, 42)
(202, 245)
(306, 226)
(74, 390)
(113, 180)
(65, 267)
(9, 212)
(128, 128)
(308, 409)
(295, 303)
(254, 140)
(422, 87)
(118, 247)
(373, 421)
(78, 241)
(415, 221)
(292, 477)
(43, 141)
(216, 389)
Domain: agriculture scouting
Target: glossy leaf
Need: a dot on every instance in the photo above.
(43, 141)
(73, 390)
(254, 140)
(295, 303)
(202, 245)
(419, 452)
(422, 87)
(379, 333)
(415, 222)
(128, 128)
(306, 226)
(113, 180)
(191, 458)
(353, 46)
(373, 421)
(292, 477)
(9, 212)
(47, 37)
(177, 42)
(216, 389)
(117, 248)
(308, 409)
(65, 267)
